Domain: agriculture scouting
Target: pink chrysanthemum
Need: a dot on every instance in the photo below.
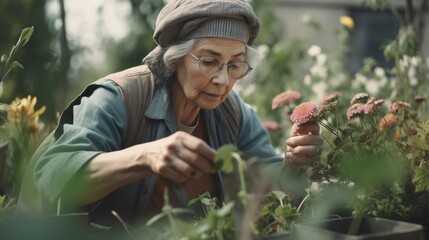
(332, 97)
(359, 98)
(272, 126)
(304, 112)
(373, 105)
(356, 110)
(285, 98)
(398, 106)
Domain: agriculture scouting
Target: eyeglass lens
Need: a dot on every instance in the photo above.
(211, 66)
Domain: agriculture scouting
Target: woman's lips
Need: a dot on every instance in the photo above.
(213, 95)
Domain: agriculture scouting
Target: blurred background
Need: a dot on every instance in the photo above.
(76, 42)
(318, 48)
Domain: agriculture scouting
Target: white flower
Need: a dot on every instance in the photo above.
(414, 61)
(319, 71)
(319, 89)
(413, 81)
(321, 59)
(314, 50)
(379, 72)
(360, 78)
(393, 83)
(372, 87)
(383, 82)
(307, 80)
(412, 77)
(404, 62)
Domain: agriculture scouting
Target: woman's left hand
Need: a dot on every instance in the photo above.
(304, 145)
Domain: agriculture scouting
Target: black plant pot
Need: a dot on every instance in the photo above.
(277, 236)
(3, 158)
(65, 227)
(368, 228)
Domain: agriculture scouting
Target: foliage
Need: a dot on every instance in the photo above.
(38, 57)
(382, 152)
(21, 131)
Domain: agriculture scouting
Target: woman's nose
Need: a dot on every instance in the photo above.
(222, 78)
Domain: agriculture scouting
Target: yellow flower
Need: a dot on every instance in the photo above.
(347, 22)
(21, 111)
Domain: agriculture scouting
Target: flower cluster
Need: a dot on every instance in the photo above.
(380, 148)
(22, 112)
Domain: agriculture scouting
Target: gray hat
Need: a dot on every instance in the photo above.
(188, 19)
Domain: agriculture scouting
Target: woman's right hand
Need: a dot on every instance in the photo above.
(178, 157)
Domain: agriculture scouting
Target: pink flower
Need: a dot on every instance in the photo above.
(304, 112)
(356, 110)
(399, 106)
(272, 126)
(359, 108)
(373, 105)
(359, 98)
(285, 98)
(332, 97)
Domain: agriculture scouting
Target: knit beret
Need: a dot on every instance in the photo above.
(188, 19)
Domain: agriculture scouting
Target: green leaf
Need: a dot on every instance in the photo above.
(155, 218)
(225, 210)
(25, 36)
(224, 158)
(279, 195)
(421, 177)
(420, 140)
(181, 210)
(3, 58)
(285, 211)
(1, 88)
(16, 64)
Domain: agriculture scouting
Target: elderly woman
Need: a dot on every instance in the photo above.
(108, 156)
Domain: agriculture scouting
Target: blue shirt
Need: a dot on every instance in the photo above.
(99, 125)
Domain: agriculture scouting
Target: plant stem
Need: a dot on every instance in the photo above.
(302, 202)
(354, 226)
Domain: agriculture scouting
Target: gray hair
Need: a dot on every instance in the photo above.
(161, 61)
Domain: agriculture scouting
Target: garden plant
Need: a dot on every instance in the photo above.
(375, 161)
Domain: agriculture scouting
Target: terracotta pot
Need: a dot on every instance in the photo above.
(368, 228)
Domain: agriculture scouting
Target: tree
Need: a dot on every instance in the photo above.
(39, 78)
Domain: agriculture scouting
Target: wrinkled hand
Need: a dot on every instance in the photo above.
(179, 157)
(304, 145)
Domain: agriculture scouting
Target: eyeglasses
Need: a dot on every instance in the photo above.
(210, 66)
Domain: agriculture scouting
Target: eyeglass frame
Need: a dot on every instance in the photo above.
(221, 64)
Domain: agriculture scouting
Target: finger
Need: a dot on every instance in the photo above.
(304, 140)
(197, 145)
(172, 174)
(197, 161)
(185, 169)
(306, 150)
(304, 129)
(298, 159)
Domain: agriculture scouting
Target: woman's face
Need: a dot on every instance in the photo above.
(205, 91)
